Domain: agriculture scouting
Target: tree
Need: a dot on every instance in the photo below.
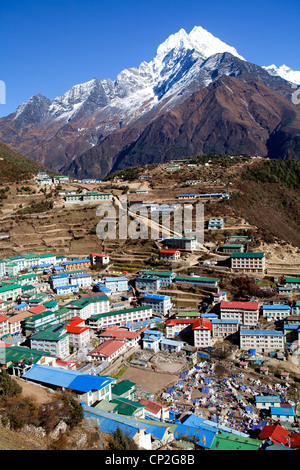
(73, 410)
(119, 441)
(8, 386)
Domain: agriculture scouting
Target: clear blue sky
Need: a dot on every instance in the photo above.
(47, 46)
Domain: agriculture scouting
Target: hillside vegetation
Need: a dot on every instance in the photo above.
(14, 167)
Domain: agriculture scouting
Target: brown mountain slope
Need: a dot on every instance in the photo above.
(229, 116)
(15, 167)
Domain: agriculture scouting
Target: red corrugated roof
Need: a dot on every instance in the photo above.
(38, 309)
(107, 348)
(3, 318)
(275, 433)
(195, 322)
(242, 305)
(295, 440)
(169, 251)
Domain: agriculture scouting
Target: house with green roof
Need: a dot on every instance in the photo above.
(129, 408)
(18, 359)
(40, 320)
(120, 317)
(85, 307)
(248, 262)
(53, 339)
(166, 277)
(293, 282)
(226, 441)
(123, 389)
(10, 292)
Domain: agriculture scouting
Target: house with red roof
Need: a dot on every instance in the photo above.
(154, 409)
(132, 338)
(37, 309)
(275, 433)
(99, 259)
(108, 351)
(170, 255)
(79, 333)
(246, 313)
(200, 327)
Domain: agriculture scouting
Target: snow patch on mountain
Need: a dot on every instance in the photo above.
(284, 72)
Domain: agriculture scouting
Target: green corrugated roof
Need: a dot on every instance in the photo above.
(19, 353)
(247, 255)
(118, 312)
(122, 387)
(87, 300)
(197, 278)
(292, 279)
(225, 441)
(11, 287)
(51, 333)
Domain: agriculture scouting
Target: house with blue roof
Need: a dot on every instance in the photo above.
(114, 284)
(262, 340)
(151, 340)
(88, 388)
(267, 401)
(143, 431)
(170, 345)
(161, 304)
(285, 414)
(275, 312)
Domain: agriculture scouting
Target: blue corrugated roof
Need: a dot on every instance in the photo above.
(70, 379)
(110, 421)
(204, 436)
(276, 307)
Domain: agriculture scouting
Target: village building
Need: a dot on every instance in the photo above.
(160, 304)
(170, 255)
(247, 313)
(10, 292)
(120, 317)
(147, 282)
(132, 338)
(53, 339)
(223, 328)
(261, 340)
(181, 243)
(4, 326)
(85, 307)
(79, 333)
(197, 281)
(114, 284)
(151, 340)
(99, 259)
(39, 321)
(248, 262)
(88, 388)
(77, 264)
(232, 248)
(215, 223)
(166, 277)
(108, 351)
(274, 312)
(265, 402)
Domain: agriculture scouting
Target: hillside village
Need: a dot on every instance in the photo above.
(178, 341)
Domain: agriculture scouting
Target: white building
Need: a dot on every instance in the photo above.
(262, 340)
(247, 313)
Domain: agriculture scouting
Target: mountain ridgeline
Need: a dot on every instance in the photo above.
(198, 95)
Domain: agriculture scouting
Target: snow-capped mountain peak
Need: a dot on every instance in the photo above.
(284, 72)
